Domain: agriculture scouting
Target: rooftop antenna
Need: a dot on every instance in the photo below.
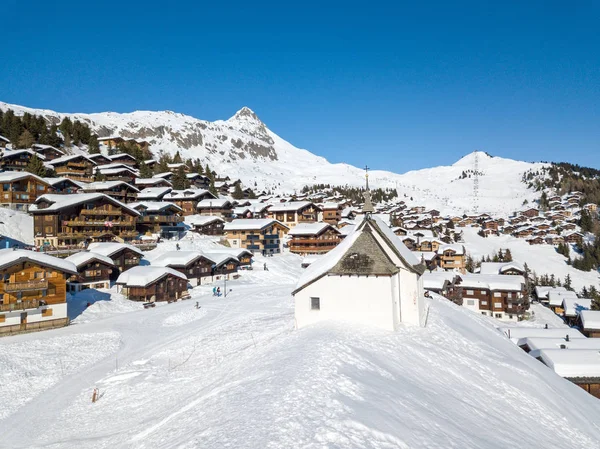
(368, 206)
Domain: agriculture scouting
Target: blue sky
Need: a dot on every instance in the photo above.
(396, 85)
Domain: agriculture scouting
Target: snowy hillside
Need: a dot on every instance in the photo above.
(235, 373)
(243, 147)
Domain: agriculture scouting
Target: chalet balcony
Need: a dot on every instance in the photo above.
(101, 223)
(161, 219)
(25, 286)
(23, 305)
(100, 212)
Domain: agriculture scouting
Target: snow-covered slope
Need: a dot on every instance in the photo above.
(243, 147)
(235, 373)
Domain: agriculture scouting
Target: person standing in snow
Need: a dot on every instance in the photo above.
(265, 267)
(177, 246)
(214, 291)
(218, 291)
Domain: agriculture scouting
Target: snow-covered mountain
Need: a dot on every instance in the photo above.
(244, 147)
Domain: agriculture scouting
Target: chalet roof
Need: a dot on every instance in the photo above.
(11, 153)
(94, 156)
(519, 334)
(187, 194)
(536, 344)
(166, 174)
(493, 282)
(116, 170)
(235, 252)
(154, 206)
(215, 203)
(152, 181)
(146, 275)
(176, 258)
(111, 248)
(392, 246)
(4, 139)
(251, 224)
(10, 257)
(427, 256)
(311, 229)
(113, 157)
(202, 220)
(70, 157)
(347, 230)
(434, 280)
(107, 185)
(55, 181)
(458, 249)
(543, 291)
(60, 202)
(176, 165)
(500, 267)
(218, 258)
(572, 363)
(84, 257)
(574, 306)
(590, 319)
(151, 193)
(11, 176)
(292, 206)
(40, 146)
(555, 297)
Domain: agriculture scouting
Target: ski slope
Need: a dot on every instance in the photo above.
(235, 373)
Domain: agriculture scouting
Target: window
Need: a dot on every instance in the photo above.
(497, 295)
(510, 317)
(484, 303)
(498, 305)
(470, 292)
(498, 315)
(483, 292)
(315, 303)
(46, 312)
(470, 302)
(509, 295)
(484, 313)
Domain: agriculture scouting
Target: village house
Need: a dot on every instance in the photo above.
(117, 172)
(556, 298)
(410, 242)
(591, 207)
(506, 268)
(123, 158)
(452, 257)
(243, 256)
(17, 160)
(536, 240)
(224, 267)
(428, 244)
(294, 212)
(440, 282)
(429, 259)
(167, 175)
(579, 366)
(153, 284)
(153, 193)
(20, 189)
(162, 218)
(119, 190)
(313, 238)
(554, 239)
(99, 158)
(33, 293)
(220, 207)
(257, 235)
(573, 237)
(142, 183)
(64, 185)
(93, 271)
(47, 151)
(332, 213)
(77, 167)
(113, 142)
(189, 199)
(198, 181)
(123, 255)
(65, 220)
(572, 307)
(499, 296)
(589, 320)
(531, 212)
(370, 278)
(206, 224)
(193, 264)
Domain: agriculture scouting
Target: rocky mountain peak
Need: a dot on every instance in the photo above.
(245, 114)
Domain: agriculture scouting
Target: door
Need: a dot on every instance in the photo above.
(23, 321)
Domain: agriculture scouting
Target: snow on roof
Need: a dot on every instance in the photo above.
(500, 267)
(219, 258)
(555, 297)
(116, 171)
(162, 175)
(83, 257)
(251, 224)
(308, 260)
(107, 185)
(201, 220)
(176, 258)
(215, 202)
(63, 201)
(70, 157)
(458, 249)
(400, 247)
(153, 192)
(590, 319)
(111, 248)
(55, 181)
(189, 194)
(10, 176)
(119, 156)
(4, 139)
(311, 228)
(151, 181)
(573, 305)
(41, 146)
(519, 334)
(543, 291)
(572, 363)
(154, 206)
(493, 282)
(143, 276)
(176, 165)
(292, 205)
(235, 252)
(347, 230)
(434, 280)
(425, 255)
(9, 257)
(536, 344)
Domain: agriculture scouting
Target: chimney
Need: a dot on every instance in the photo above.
(567, 337)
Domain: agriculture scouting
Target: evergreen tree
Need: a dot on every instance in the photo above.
(508, 256)
(180, 180)
(145, 171)
(93, 145)
(209, 173)
(177, 158)
(238, 194)
(567, 284)
(212, 189)
(586, 222)
(36, 167)
(67, 140)
(26, 139)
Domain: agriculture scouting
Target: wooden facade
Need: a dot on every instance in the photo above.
(167, 288)
(259, 236)
(119, 190)
(159, 218)
(332, 213)
(209, 227)
(318, 242)
(17, 160)
(91, 274)
(18, 190)
(76, 167)
(294, 213)
(188, 201)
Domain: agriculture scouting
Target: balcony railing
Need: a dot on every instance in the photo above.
(94, 223)
(24, 305)
(28, 285)
(161, 219)
(100, 212)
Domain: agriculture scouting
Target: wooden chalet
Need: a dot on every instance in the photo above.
(427, 244)
(93, 271)
(119, 190)
(225, 266)
(64, 185)
(99, 158)
(313, 238)
(76, 166)
(428, 259)
(161, 218)
(193, 264)
(153, 284)
(189, 199)
(257, 235)
(153, 193)
(17, 160)
(74, 220)
(332, 213)
(219, 207)
(164, 175)
(589, 321)
(117, 172)
(499, 296)
(207, 224)
(123, 158)
(114, 141)
(573, 237)
(579, 366)
(198, 181)
(452, 257)
(531, 212)
(124, 256)
(295, 212)
(18, 190)
(33, 293)
(48, 152)
(504, 268)
(142, 183)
